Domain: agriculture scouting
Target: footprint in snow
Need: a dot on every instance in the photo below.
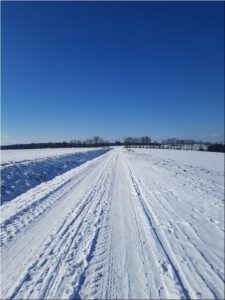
(214, 221)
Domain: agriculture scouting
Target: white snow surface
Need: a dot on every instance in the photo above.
(137, 224)
(19, 174)
(21, 155)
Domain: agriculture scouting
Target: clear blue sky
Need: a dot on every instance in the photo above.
(74, 70)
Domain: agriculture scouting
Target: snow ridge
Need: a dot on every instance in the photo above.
(21, 176)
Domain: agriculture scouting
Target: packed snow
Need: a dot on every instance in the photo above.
(128, 224)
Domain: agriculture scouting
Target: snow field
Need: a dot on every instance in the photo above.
(138, 224)
(18, 176)
(14, 156)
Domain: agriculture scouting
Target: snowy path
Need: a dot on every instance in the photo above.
(127, 225)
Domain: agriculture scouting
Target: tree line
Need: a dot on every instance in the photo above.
(216, 148)
(96, 141)
(175, 141)
(143, 141)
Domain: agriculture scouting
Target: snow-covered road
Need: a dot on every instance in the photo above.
(140, 224)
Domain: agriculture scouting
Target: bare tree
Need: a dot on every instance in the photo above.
(97, 140)
(145, 140)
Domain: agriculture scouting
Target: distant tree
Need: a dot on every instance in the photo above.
(216, 148)
(89, 141)
(97, 140)
(171, 141)
(145, 140)
(128, 141)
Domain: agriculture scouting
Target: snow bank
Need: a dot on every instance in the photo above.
(12, 156)
(23, 170)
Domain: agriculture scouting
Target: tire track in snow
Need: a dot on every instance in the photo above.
(191, 248)
(212, 280)
(208, 281)
(174, 168)
(92, 272)
(75, 283)
(187, 290)
(110, 274)
(150, 260)
(163, 190)
(46, 275)
(15, 253)
(25, 212)
(149, 252)
(92, 283)
(170, 211)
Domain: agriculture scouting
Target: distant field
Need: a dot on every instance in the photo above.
(11, 156)
(202, 159)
